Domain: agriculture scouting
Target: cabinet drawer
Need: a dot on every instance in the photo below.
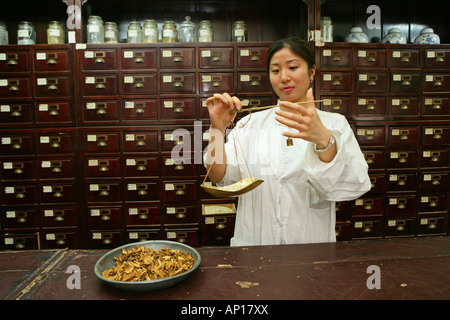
(436, 82)
(15, 87)
(402, 159)
(99, 59)
(428, 224)
(142, 215)
(104, 217)
(51, 60)
(139, 109)
(16, 113)
(102, 239)
(433, 203)
(180, 138)
(342, 105)
(182, 214)
(368, 206)
(370, 136)
(216, 57)
(252, 57)
(179, 191)
(401, 206)
(177, 58)
(20, 218)
(434, 158)
(367, 228)
(182, 83)
(371, 82)
(253, 82)
(138, 59)
(405, 136)
(374, 158)
(59, 112)
(378, 183)
(102, 167)
(371, 106)
(218, 230)
(178, 167)
(14, 61)
(59, 216)
(436, 106)
(409, 58)
(336, 81)
(21, 241)
(403, 106)
(56, 142)
(370, 58)
(402, 181)
(17, 169)
(139, 84)
(60, 239)
(434, 181)
(101, 111)
(17, 144)
(437, 59)
(400, 227)
(105, 191)
(216, 82)
(186, 236)
(141, 191)
(19, 194)
(102, 142)
(436, 135)
(405, 82)
(336, 58)
(141, 166)
(140, 141)
(57, 192)
(59, 168)
(178, 108)
(99, 85)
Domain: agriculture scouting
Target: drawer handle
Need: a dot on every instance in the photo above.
(438, 84)
(337, 58)
(12, 62)
(17, 146)
(139, 85)
(216, 84)
(104, 193)
(178, 84)
(141, 168)
(16, 114)
(371, 59)
(406, 83)
(336, 107)
(437, 136)
(105, 217)
(18, 171)
(57, 195)
(432, 223)
(404, 60)
(372, 83)
(102, 144)
(142, 193)
(138, 60)
(336, 83)
(52, 87)
(216, 59)
(107, 241)
(404, 107)
(51, 62)
(404, 137)
(371, 107)
(142, 216)
(54, 113)
(400, 225)
(100, 86)
(436, 107)
(56, 170)
(180, 193)
(20, 195)
(255, 83)
(104, 168)
(100, 111)
(254, 58)
(179, 167)
(140, 143)
(435, 159)
(99, 60)
(177, 59)
(440, 60)
(178, 110)
(14, 88)
(221, 226)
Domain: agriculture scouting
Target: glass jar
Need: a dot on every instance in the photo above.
(26, 33)
(169, 32)
(205, 31)
(111, 32)
(56, 33)
(187, 30)
(4, 37)
(95, 30)
(240, 31)
(326, 29)
(150, 31)
(134, 32)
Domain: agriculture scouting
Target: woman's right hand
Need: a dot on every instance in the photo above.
(221, 108)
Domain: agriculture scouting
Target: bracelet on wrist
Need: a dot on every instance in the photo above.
(330, 144)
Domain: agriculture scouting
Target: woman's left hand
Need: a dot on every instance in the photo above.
(305, 120)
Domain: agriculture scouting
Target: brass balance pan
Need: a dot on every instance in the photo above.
(243, 186)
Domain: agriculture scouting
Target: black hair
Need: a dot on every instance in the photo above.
(297, 45)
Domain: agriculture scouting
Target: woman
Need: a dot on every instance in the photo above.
(308, 158)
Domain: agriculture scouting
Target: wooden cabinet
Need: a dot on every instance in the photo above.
(101, 144)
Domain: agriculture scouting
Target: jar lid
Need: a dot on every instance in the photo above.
(187, 22)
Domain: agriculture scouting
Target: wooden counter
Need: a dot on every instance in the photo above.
(410, 268)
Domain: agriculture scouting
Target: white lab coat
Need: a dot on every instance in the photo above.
(296, 201)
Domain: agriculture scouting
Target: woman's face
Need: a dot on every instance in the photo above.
(290, 76)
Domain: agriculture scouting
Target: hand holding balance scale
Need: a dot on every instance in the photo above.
(249, 183)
